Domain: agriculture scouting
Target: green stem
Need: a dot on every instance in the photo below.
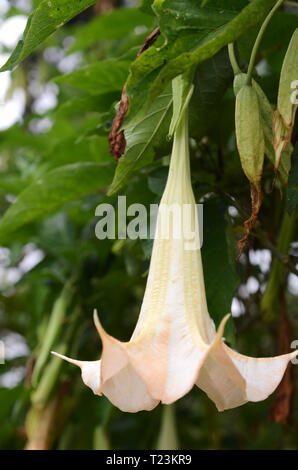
(48, 381)
(100, 441)
(233, 60)
(258, 40)
(54, 327)
(168, 439)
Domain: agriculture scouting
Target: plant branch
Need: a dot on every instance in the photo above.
(263, 237)
(285, 259)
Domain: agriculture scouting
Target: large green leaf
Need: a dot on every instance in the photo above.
(211, 81)
(143, 138)
(43, 21)
(100, 77)
(50, 192)
(8, 398)
(193, 34)
(221, 279)
(87, 103)
(112, 25)
(88, 149)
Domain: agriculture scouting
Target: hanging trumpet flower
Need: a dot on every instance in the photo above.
(175, 344)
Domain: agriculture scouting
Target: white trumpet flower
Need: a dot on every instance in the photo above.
(175, 345)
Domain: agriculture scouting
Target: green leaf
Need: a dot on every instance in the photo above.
(8, 397)
(212, 79)
(211, 82)
(101, 104)
(279, 31)
(274, 41)
(142, 139)
(146, 7)
(52, 191)
(88, 149)
(193, 34)
(43, 21)
(293, 181)
(99, 77)
(115, 24)
(157, 180)
(221, 279)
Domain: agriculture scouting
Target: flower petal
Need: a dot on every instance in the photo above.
(262, 375)
(164, 358)
(231, 379)
(120, 381)
(221, 381)
(168, 355)
(128, 391)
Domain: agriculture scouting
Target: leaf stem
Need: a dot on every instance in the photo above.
(233, 60)
(258, 40)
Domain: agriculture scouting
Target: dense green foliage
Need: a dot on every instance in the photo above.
(55, 168)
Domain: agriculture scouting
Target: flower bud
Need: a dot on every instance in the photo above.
(267, 113)
(249, 133)
(251, 147)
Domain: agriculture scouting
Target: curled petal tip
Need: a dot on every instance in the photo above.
(294, 354)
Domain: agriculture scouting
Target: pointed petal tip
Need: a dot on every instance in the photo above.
(97, 323)
(222, 325)
(100, 329)
(95, 316)
(57, 354)
(67, 359)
